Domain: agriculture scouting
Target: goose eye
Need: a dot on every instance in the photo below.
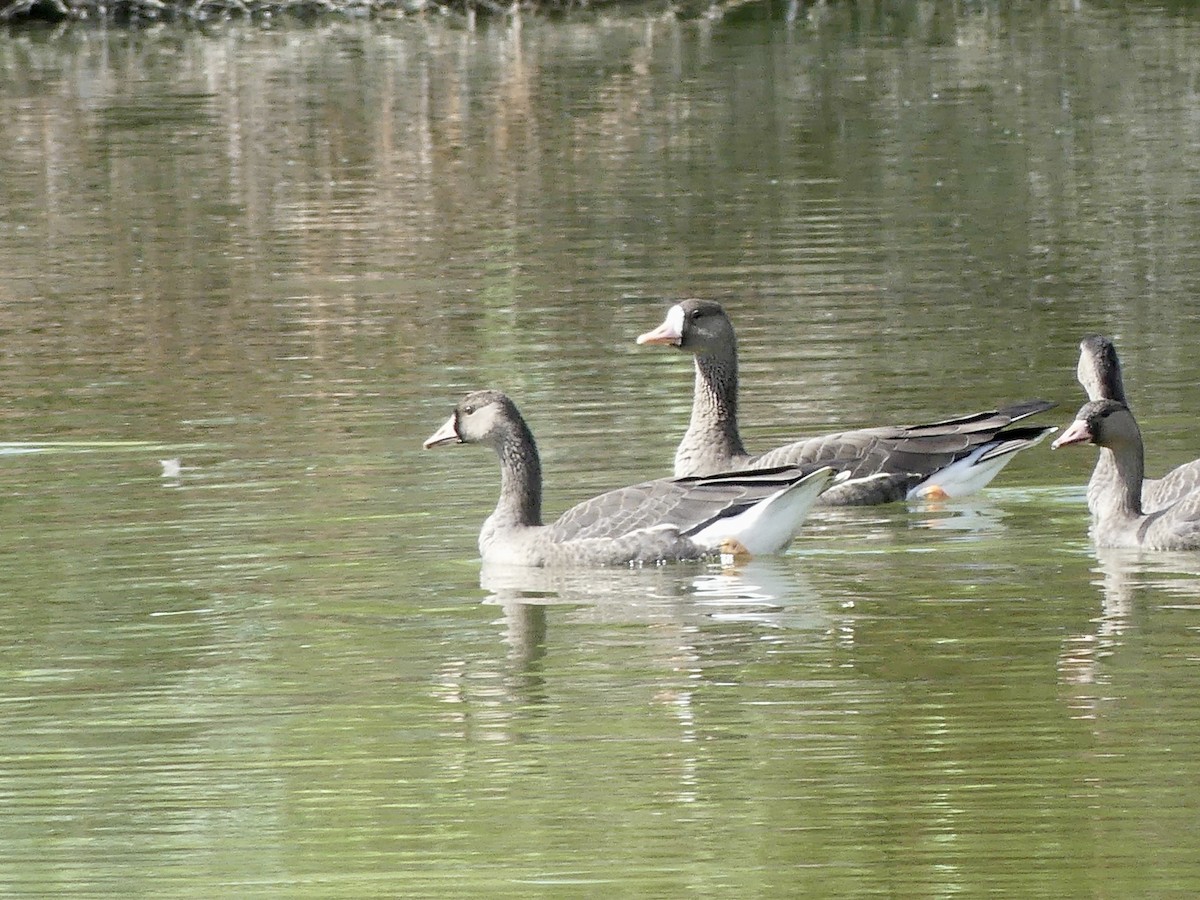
(469, 410)
(695, 314)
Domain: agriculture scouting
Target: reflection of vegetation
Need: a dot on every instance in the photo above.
(441, 210)
(200, 11)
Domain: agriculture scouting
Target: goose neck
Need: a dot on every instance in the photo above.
(520, 502)
(1127, 461)
(714, 404)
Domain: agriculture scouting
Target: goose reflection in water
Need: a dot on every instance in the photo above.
(1127, 578)
(765, 592)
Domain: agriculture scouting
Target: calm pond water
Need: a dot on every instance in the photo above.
(279, 256)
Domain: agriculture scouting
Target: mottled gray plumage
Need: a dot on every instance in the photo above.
(650, 522)
(885, 463)
(692, 503)
(1118, 516)
(1099, 371)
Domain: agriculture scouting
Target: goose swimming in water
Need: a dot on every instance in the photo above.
(1119, 518)
(1099, 371)
(950, 458)
(657, 521)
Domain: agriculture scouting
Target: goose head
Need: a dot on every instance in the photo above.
(481, 417)
(1099, 369)
(697, 326)
(1105, 423)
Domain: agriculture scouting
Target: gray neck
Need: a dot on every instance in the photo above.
(713, 430)
(1128, 464)
(520, 500)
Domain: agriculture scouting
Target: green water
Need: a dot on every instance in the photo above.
(279, 257)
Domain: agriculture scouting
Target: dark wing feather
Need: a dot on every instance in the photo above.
(1010, 440)
(987, 421)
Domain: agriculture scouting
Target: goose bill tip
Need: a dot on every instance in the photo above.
(663, 334)
(447, 434)
(1077, 433)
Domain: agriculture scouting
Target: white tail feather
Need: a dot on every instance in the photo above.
(967, 475)
(769, 526)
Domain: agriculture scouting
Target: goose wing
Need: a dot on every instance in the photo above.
(1176, 527)
(684, 504)
(1180, 481)
(919, 450)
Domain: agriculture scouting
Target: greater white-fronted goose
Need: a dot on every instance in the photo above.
(1099, 371)
(656, 521)
(950, 458)
(1118, 517)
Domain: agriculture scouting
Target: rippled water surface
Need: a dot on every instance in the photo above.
(248, 648)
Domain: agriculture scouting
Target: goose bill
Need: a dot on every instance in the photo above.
(1076, 434)
(447, 434)
(669, 332)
